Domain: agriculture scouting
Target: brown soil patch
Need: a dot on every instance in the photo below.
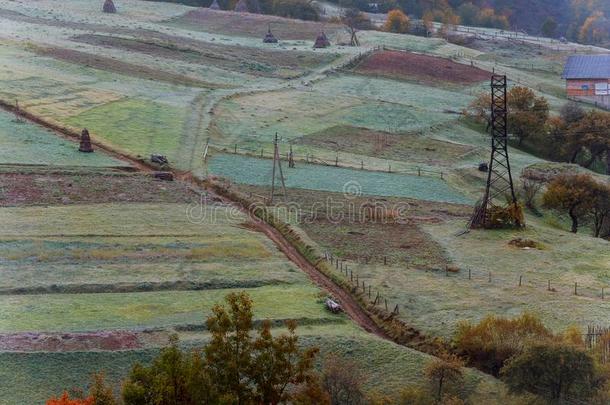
(252, 25)
(64, 342)
(424, 68)
(113, 65)
(403, 244)
(341, 230)
(21, 189)
(230, 57)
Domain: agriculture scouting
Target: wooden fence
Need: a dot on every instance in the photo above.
(310, 158)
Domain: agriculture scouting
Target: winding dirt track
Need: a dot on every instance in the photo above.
(348, 303)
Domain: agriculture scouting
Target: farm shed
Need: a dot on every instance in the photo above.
(588, 79)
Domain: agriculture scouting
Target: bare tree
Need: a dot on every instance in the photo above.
(354, 21)
(343, 381)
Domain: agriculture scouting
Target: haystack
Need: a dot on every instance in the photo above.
(269, 37)
(109, 7)
(85, 142)
(215, 5)
(241, 6)
(321, 41)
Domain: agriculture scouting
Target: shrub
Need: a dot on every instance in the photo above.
(343, 381)
(65, 400)
(444, 371)
(397, 21)
(491, 342)
(556, 371)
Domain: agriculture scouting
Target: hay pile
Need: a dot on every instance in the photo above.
(109, 7)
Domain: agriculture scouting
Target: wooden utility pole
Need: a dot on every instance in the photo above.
(291, 159)
(204, 157)
(205, 150)
(277, 161)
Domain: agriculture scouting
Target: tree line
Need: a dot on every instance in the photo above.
(244, 365)
(585, 21)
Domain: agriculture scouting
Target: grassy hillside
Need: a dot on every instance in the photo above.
(89, 254)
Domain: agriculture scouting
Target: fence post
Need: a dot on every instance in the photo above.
(602, 293)
(396, 309)
(490, 276)
(362, 165)
(341, 265)
(369, 291)
(520, 277)
(235, 148)
(351, 275)
(363, 287)
(261, 152)
(385, 260)
(575, 288)
(469, 275)
(386, 303)
(376, 298)
(549, 286)
(419, 171)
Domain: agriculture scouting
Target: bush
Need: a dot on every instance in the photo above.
(397, 22)
(556, 371)
(491, 342)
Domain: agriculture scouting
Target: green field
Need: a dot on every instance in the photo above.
(24, 143)
(255, 171)
(164, 78)
(388, 367)
(81, 246)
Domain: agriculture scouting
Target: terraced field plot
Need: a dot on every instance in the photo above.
(347, 100)
(434, 301)
(24, 143)
(152, 257)
(424, 68)
(250, 25)
(376, 357)
(255, 171)
(407, 147)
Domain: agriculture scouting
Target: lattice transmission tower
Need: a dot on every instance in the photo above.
(499, 194)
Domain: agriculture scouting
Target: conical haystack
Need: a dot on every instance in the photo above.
(215, 5)
(85, 142)
(321, 41)
(269, 37)
(109, 7)
(241, 6)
